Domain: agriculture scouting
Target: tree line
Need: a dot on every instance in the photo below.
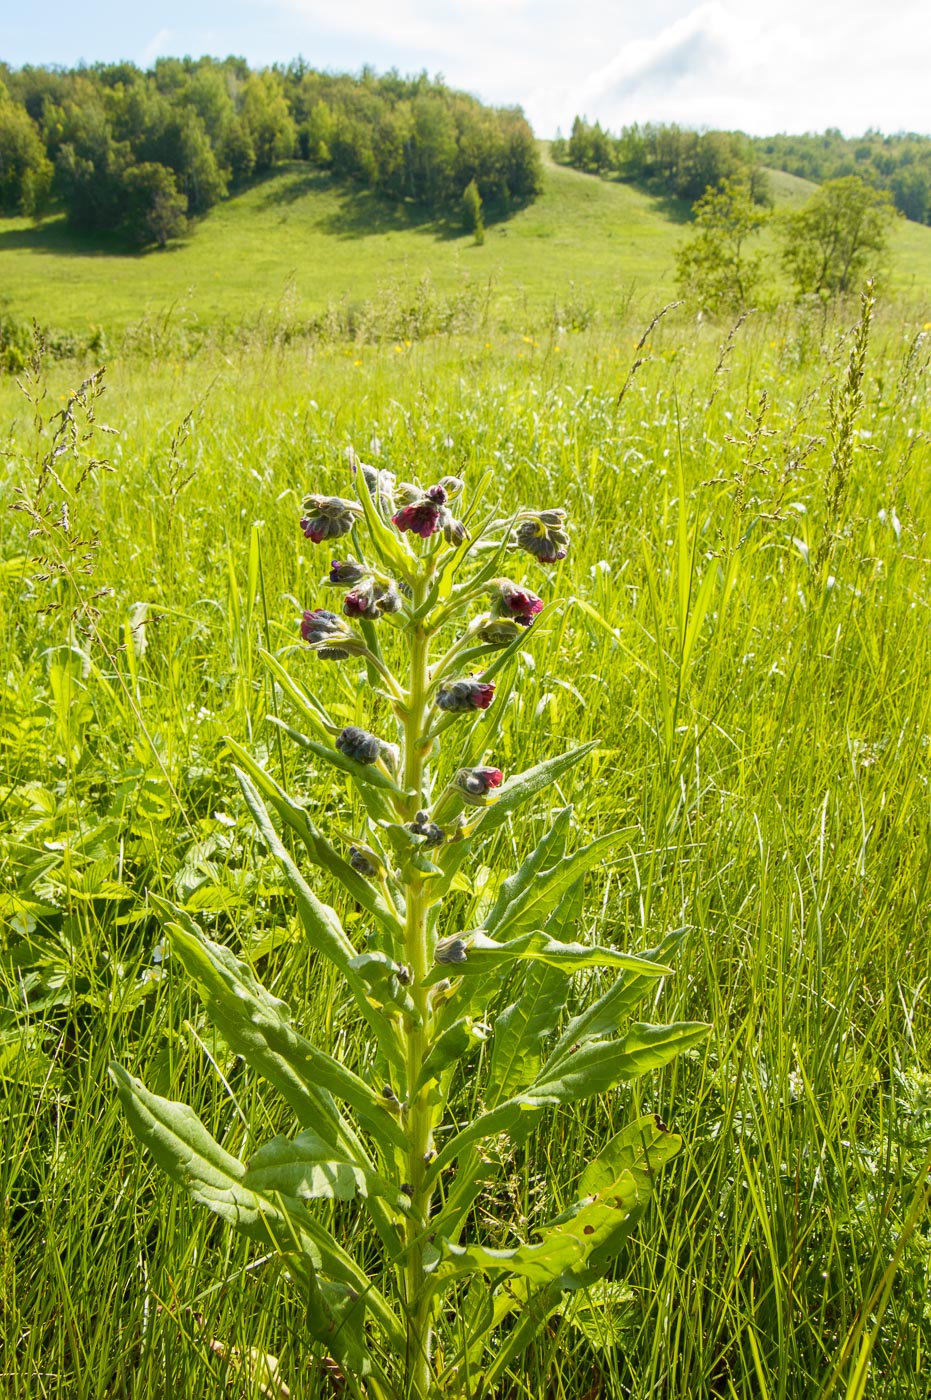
(666, 158)
(141, 152)
(674, 160)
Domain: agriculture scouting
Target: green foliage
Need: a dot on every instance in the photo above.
(838, 239)
(713, 269)
(25, 171)
(154, 207)
(761, 724)
(382, 1131)
(899, 163)
(472, 220)
(212, 123)
(666, 158)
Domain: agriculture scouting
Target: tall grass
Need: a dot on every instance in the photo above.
(749, 644)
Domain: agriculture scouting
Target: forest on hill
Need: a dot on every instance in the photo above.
(677, 161)
(139, 152)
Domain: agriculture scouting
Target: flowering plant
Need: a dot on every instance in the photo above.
(440, 1312)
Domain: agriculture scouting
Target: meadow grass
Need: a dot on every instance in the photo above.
(748, 643)
(298, 243)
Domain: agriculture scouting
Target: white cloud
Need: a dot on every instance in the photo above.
(792, 65)
(159, 44)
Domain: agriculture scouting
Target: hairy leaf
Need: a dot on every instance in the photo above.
(316, 845)
(482, 954)
(256, 1026)
(189, 1155)
(307, 1168)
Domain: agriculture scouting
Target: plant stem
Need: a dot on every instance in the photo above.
(420, 1111)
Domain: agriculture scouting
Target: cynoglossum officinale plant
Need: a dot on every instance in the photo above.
(423, 611)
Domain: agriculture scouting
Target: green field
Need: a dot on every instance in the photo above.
(297, 242)
(743, 627)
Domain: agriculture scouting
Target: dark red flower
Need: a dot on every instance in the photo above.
(422, 518)
(465, 695)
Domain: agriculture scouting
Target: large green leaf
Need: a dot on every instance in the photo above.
(318, 848)
(524, 1025)
(186, 1151)
(547, 853)
(306, 704)
(596, 1068)
(321, 924)
(307, 1167)
(565, 1247)
(520, 787)
(604, 1016)
(539, 895)
(256, 1026)
(481, 954)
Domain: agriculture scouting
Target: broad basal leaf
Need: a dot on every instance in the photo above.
(186, 1151)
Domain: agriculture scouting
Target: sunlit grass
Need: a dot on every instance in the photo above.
(763, 726)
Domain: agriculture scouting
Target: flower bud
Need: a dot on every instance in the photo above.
(421, 517)
(436, 494)
(370, 599)
(358, 744)
(465, 695)
(542, 534)
(379, 482)
(474, 784)
(510, 600)
(451, 950)
(498, 631)
(328, 517)
(454, 532)
(422, 826)
(360, 602)
(364, 862)
(328, 635)
(348, 571)
(452, 485)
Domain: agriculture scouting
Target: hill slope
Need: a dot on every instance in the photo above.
(300, 238)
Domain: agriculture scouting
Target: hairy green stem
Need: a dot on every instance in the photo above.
(419, 1109)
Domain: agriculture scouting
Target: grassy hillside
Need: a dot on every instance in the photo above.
(297, 241)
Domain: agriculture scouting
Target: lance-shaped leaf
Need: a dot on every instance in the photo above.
(321, 924)
(306, 1167)
(481, 954)
(603, 1016)
(536, 897)
(518, 789)
(547, 853)
(565, 1246)
(316, 845)
(639, 1151)
(522, 1027)
(187, 1152)
(449, 1048)
(388, 545)
(596, 1068)
(256, 1026)
(307, 705)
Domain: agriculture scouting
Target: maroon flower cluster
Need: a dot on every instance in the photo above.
(474, 784)
(328, 517)
(465, 695)
(543, 535)
(512, 601)
(328, 634)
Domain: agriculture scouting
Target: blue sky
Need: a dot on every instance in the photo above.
(758, 65)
